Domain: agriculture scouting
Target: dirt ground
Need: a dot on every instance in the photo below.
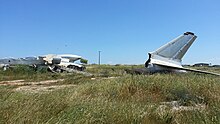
(35, 87)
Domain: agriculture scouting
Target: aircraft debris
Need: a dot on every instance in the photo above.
(55, 63)
(168, 58)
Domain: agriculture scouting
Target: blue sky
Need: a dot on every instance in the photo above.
(124, 30)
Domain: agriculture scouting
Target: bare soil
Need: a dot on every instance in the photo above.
(35, 87)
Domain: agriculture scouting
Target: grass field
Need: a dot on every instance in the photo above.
(109, 96)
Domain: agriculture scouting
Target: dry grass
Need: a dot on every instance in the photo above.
(155, 99)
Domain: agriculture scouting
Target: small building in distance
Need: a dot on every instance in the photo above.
(201, 65)
(216, 66)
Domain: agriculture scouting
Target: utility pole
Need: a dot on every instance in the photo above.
(99, 57)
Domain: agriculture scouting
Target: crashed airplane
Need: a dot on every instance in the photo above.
(55, 63)
(9, 62)
(168, 58)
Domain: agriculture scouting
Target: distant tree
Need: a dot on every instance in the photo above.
(84, 61)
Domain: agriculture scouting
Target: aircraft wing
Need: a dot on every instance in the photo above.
(189, 69)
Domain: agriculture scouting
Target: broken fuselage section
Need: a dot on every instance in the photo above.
(59, 63)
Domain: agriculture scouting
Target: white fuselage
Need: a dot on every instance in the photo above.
(64, 60)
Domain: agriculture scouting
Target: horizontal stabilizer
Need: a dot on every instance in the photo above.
(199, 71)
(189, 69)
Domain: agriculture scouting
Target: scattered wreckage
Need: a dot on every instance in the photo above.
(167, 58)
(55, 63)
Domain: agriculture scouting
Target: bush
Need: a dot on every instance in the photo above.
(84, 61)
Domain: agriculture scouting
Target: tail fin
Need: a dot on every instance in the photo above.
(177, 48)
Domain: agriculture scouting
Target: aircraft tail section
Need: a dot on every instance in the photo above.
(176, 49)
(168, 57)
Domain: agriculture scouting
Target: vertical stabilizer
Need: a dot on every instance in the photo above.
(177, 48)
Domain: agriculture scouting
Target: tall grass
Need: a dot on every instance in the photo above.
(126, 99)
